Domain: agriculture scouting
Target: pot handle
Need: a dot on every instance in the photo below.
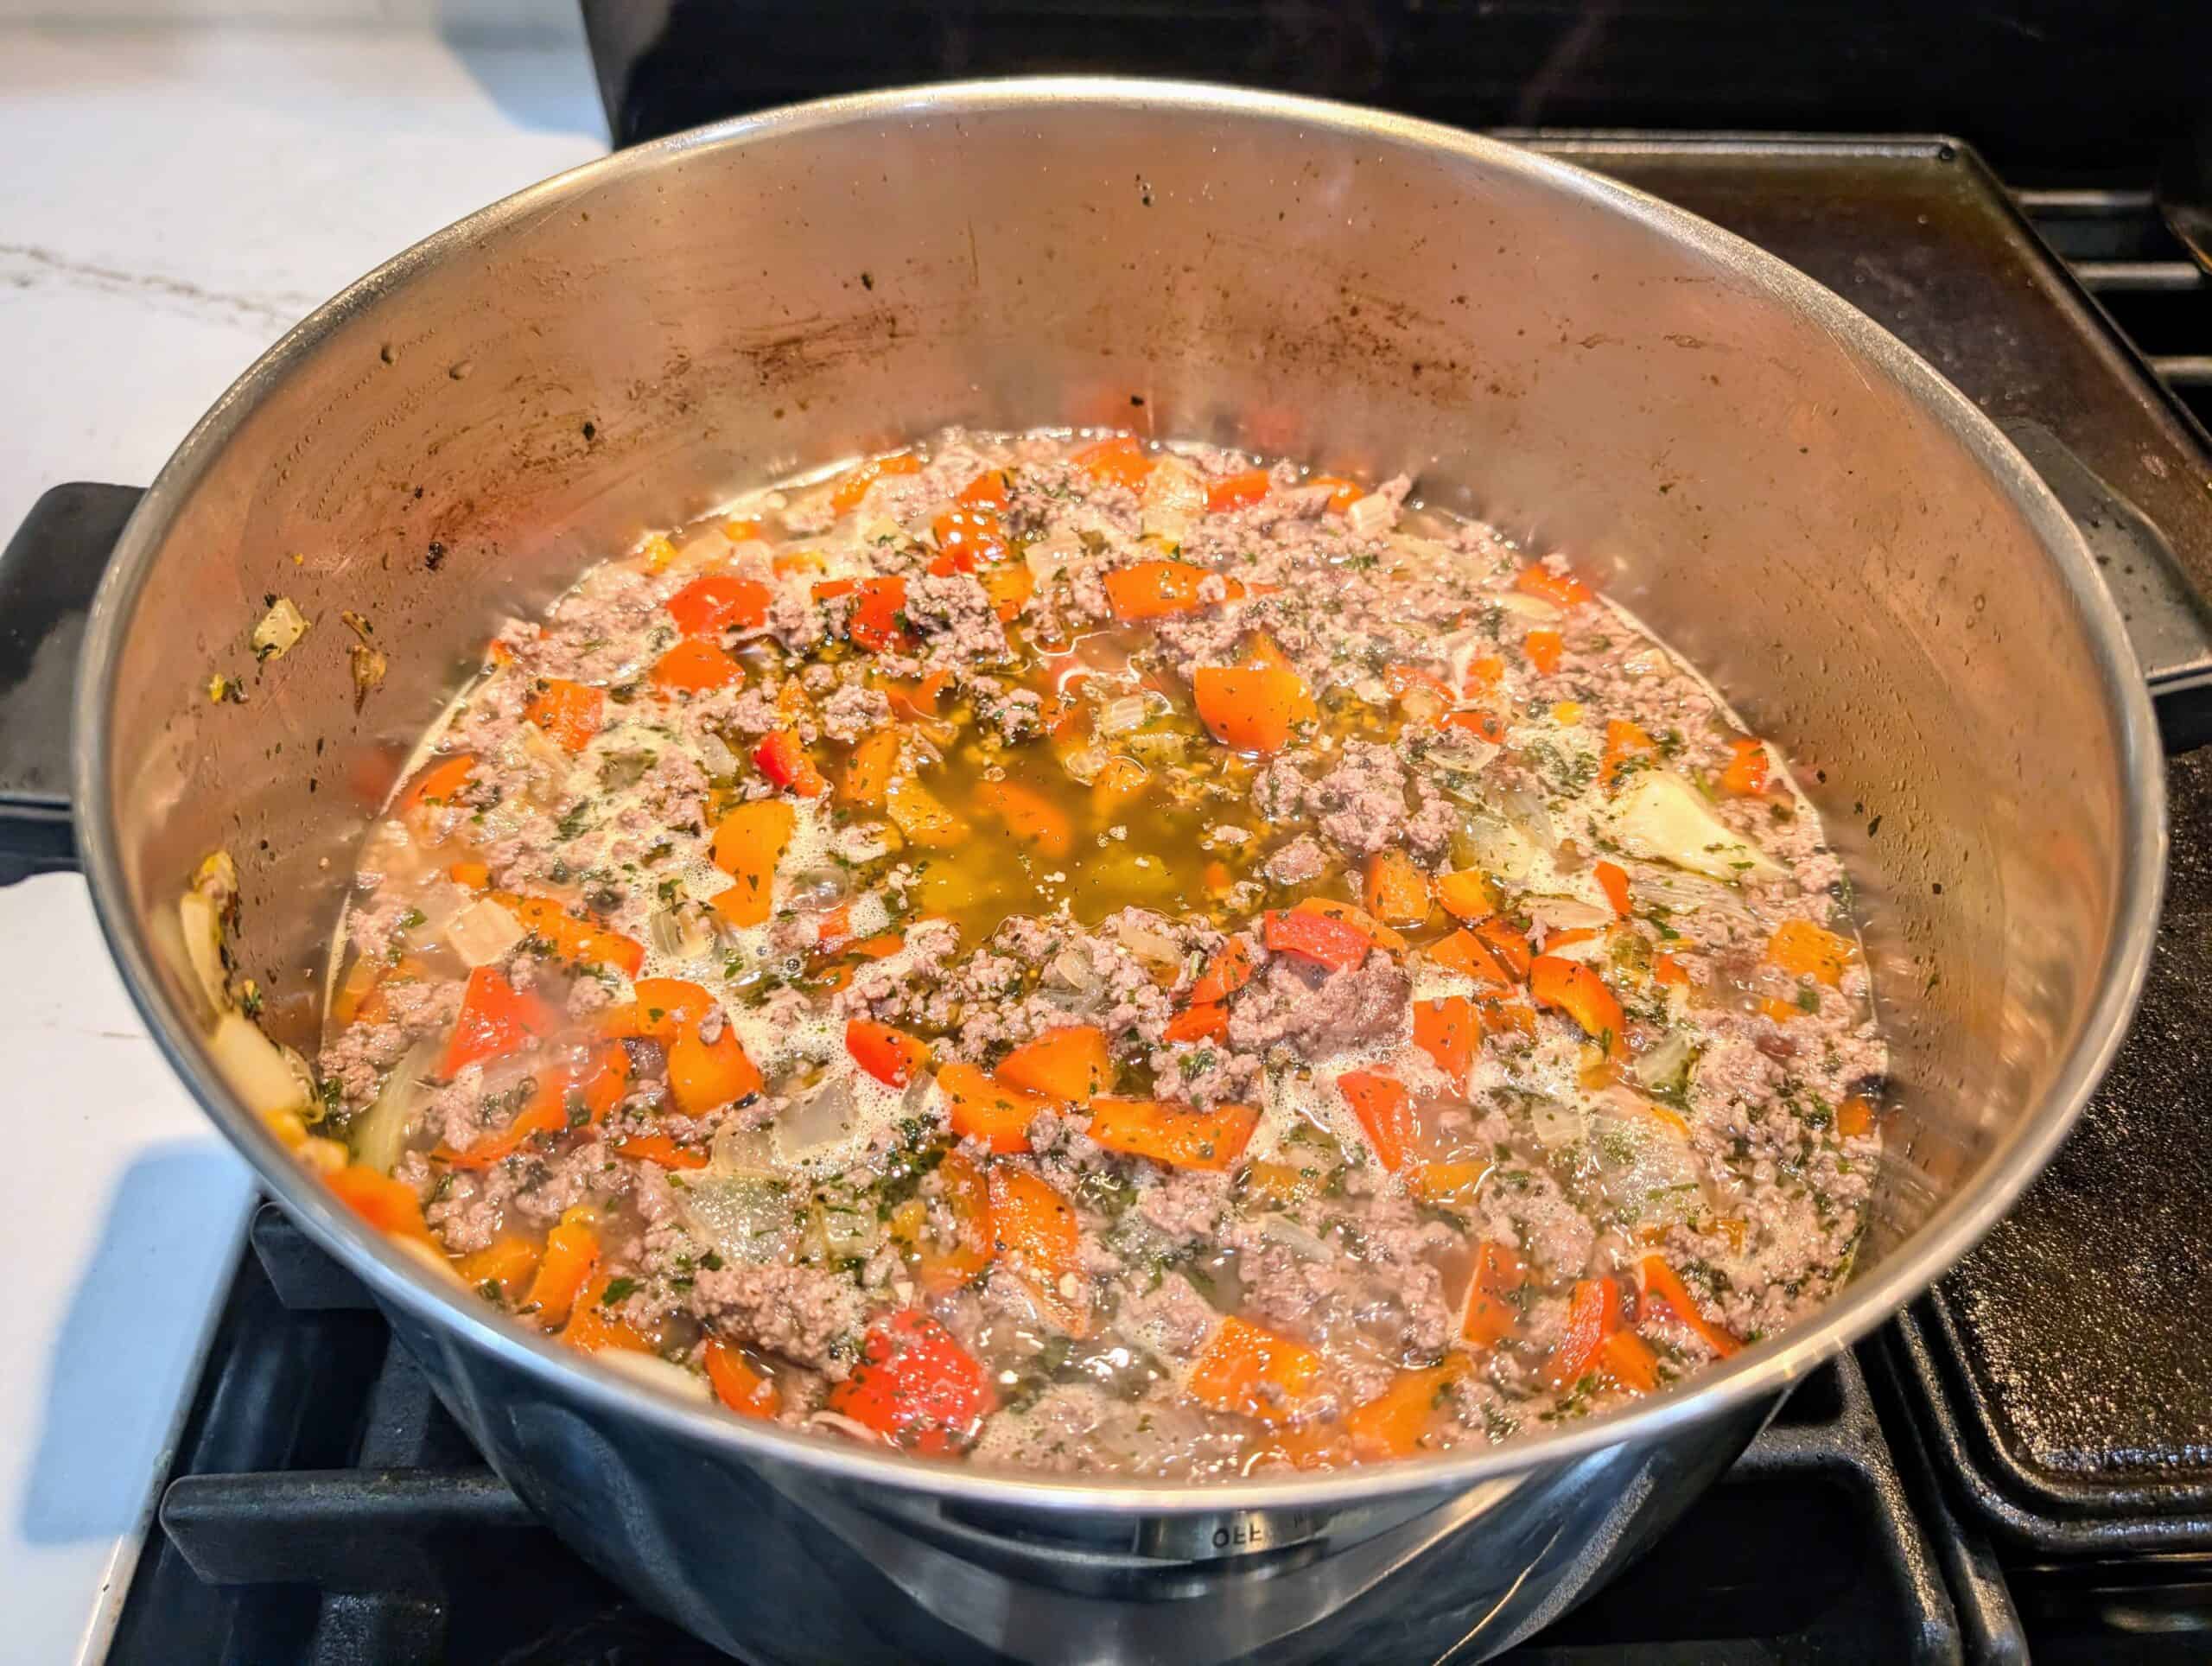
(48, 574)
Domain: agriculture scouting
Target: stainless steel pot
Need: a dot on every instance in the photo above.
(1786, 492)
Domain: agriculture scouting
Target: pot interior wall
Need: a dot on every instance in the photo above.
(526, 394)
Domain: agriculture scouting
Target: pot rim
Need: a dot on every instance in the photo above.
(1765, 1370)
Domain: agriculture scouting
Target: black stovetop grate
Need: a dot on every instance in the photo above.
(326, 1509)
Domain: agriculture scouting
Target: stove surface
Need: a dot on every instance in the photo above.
(322, 1499)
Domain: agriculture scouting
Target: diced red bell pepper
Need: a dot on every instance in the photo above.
(1385, 1111)
(916, 1386)
(783, 760)
(718, 602)
(1333, 942)
(495, 1019)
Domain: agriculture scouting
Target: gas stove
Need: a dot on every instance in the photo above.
(2021, 1462)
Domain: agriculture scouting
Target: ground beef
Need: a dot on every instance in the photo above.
(1298, 862)
(1319, 1011)
(802, 1313)
(854, 710)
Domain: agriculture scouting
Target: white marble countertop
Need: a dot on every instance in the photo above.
(176, 198)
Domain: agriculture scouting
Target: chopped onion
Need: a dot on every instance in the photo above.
(483, 933)
(848, 1232)
(1375, 512)
(678, 933)
(1556, 1126)
(1666, 1065)
(816, 1123)
(1173, 497)
(1165, 747)
(280, 627)
(203, 947)
(1644, 1167)
(1527, 607)
(844, 1424)
(1662, 817)
(1154, 947)
(1460, 752)
(1123, 713)
(1048, 556)
(817, 888)
(427, 1259)
(741, 1151)
(1501, 850)
(715, 755)
(259, 1072)
(745, 1218)
(1072, 969)
(1566, 914)
(380, 1133)
(1587, 949)
(656, 1373)
(1296, 1239)
(1526, 810)
(1085, 764)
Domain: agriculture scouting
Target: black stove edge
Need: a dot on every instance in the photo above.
(2028, 1511)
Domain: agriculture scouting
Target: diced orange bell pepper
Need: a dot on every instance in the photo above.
(1491, 1314)
(582, 942)
(966, 1196)
(1853, 1117)
(1155, 589)
(1561, 589)
(878, 619)
(591, 1327)
(660, 1150)
(1804, 950)
(1663, 1285)
(502, 1264)
(1252, 709)
(571, 1253)
(1626, 745)
(1544, 649)
(1385, 1111)
(1466, 895)
(1594, 1312)
(1119, 783)
(1462, 951)
(869, 770)
(1628, 1360)
(470, 876)
(747, 844)
(568, 713)
(693, 666)
(388, 1205)
(1510, 946)
(1208, 1022)
(849, 491)
(1343, 493)
(1072, 1064)
(704, 1076)
(1236, 491)
(661, 1007)
(988, 1110)
(916, 1386)
(1397, 892)
(891, 1056)
(719, 601)
(1404, 1417)
(1117, 458)
(1229, 971)
(1036, 1227)
(440, 779)
(987, 491)
(737, 1385)
(1255, 1373)
(967, 536)
(1748, 770)
(1667, 970)
(1445, 1030)
(1570, 986)
(1172, 1134)
(1010, 585)
(1613, 880)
